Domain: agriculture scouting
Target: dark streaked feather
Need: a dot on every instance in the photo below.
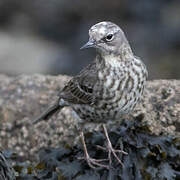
(79, 90)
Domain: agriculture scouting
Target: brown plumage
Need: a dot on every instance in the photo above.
(110, 86)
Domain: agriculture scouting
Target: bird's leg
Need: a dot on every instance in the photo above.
(93, 163)
(110, 149)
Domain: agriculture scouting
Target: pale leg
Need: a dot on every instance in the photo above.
(93, 163)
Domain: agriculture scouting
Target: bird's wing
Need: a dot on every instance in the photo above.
(79, 90)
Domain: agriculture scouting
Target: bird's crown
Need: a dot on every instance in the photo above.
(104, 29)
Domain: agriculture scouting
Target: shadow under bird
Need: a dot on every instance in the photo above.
(107, 88)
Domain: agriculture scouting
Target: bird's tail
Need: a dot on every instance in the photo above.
(48, 113)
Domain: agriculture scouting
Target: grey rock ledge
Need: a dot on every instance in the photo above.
(24, 97)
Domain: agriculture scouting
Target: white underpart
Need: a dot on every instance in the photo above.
(137, 68)
(108, 82)
(115, 86)
(112, 60)
(101, 75)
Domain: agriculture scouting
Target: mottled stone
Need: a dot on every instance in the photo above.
(24, 97)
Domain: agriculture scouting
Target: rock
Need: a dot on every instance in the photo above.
(6, 170)
(24, 97)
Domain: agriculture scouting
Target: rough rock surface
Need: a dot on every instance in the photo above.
(6, 171)
(24, 97)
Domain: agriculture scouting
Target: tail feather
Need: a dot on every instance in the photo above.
(48, 113)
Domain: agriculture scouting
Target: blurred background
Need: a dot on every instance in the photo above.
(44, 36)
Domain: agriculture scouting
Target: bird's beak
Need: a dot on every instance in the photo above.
(89, 44)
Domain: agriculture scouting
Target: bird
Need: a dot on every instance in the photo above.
(109, 87)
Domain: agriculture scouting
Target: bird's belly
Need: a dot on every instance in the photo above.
(90, 113)
(106, 109)
(119, 104)
(114, 97)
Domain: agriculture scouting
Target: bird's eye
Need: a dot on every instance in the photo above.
(109, 37)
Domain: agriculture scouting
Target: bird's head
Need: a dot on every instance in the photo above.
(106, 37)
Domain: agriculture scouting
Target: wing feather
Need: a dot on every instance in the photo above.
(79, 90)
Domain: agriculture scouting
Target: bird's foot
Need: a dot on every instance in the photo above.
(110, 149)
(93, 163)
